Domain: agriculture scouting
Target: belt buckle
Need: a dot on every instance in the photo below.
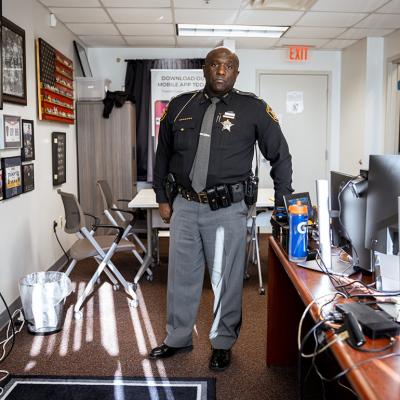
(202, 197)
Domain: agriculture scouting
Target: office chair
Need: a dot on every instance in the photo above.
(254, 222)
(116, 217)
(101, 248)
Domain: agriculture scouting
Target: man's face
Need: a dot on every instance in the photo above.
(220, 71)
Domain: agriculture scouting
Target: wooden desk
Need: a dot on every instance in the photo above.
(290, 288)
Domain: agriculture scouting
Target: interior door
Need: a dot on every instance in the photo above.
(300, 102)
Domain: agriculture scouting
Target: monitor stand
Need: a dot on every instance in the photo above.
(337, 267)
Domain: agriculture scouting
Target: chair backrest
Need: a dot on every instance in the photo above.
(74, 217)
(105, 193)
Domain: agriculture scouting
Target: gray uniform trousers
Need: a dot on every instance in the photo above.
(200, 235)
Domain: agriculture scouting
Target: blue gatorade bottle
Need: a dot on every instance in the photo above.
(298, 219)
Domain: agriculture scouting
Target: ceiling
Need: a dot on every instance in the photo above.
(323, 24)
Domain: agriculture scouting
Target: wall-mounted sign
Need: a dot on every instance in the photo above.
(298, 53)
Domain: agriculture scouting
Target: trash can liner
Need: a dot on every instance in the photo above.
(43, 295)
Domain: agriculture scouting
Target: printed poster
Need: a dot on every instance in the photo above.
(294, 102)
(167, 83)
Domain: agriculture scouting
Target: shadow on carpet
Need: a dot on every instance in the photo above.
(112, 388)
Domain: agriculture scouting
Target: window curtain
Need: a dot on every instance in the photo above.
(138, 86)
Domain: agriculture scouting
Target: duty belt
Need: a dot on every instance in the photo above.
(219, 196)
(191, 195)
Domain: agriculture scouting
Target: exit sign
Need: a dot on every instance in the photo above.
(298, 53)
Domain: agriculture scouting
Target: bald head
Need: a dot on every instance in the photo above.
(220, 71)
(223, 50)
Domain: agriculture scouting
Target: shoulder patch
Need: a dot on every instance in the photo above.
(269, 111)
(164, 114)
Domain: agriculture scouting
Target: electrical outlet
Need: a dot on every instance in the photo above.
(61, 221)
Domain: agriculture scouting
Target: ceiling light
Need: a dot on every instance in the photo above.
(231, 30)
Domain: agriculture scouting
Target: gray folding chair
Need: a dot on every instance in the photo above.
(116, 217)
(101, 248)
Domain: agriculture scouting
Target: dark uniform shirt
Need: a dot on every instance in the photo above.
(240, 120)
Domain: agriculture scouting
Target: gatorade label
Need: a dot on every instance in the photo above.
(298, 237)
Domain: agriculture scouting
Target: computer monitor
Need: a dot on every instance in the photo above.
(338, 181)
(348, 210)
(382, 226)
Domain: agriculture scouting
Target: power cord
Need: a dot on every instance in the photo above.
(11, 323)
(10, 335)
(58, 240)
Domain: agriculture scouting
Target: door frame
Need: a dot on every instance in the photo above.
(392, 111)
(332, 148)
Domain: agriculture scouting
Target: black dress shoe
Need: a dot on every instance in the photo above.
(220, 359)
(165, 351)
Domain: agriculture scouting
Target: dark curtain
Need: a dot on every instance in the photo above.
(138, 86)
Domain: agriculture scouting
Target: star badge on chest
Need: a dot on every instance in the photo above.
(227, 125)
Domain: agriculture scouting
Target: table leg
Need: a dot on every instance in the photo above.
(148, 259)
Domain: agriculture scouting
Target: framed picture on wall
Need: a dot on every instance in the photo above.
(28, 181)
(10, 132)
(58, 140)
(1, 184)
(12, 177)
(14, 62)
(28, 140)
(1, 58)
(83, 60)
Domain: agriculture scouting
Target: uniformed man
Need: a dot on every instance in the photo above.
(206, 142)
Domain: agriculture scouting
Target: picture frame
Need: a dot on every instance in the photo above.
(1, 184)
(28, 140)
(28, 177)
(1, 57)
(12, 176)
(83, 60)
(10, 132)
(13, 63)
(58, 141)
(304, 197)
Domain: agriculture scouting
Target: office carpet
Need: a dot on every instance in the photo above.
(85, 388)
(114, 340)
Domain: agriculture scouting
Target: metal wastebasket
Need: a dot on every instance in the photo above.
(43, 296)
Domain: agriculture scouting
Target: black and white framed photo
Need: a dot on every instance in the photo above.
(10, 132)
(28, 140)
(83, 60)
(58, 140)
(12, 176)
(1, 184)
(28, 177)
(1, 57)
(14, 62)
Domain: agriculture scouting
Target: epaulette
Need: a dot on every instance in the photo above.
(250, 94)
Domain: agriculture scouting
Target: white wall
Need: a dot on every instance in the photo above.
(353, 107)
(104, 64)
(392, 94)
(27, 242)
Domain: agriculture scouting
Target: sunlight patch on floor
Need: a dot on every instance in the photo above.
(65, 332)
(108, 323)
(78, 325)
(51, 344)
(36, 345)
(89, 320)
(140, 339)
